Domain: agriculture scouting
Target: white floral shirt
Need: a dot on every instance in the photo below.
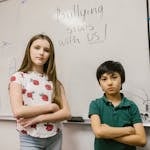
(36, 90)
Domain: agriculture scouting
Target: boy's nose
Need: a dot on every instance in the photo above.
(109, 81)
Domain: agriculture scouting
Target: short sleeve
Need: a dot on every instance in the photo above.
(16, 77)
(135, 114)
(93, 109)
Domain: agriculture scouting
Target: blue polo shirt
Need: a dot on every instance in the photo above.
(125, 114)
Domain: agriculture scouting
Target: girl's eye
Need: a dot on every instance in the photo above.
(46, 50)
(37, 47)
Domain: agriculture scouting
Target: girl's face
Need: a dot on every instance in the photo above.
(110, 83)
(39, 52)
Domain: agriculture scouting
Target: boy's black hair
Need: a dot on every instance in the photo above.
(111, 67)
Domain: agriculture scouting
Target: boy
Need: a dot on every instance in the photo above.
(115, 120)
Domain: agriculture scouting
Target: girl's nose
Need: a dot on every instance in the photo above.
(41, 51)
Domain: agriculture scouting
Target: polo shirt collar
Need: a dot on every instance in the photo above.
(124, 101)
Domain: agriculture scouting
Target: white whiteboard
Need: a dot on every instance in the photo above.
(85, 33)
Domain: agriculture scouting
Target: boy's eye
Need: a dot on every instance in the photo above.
(114, 77)
(103, 79)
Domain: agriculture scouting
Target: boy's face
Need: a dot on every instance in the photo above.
(110, 83)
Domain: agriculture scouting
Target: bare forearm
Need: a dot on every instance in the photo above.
(106, 131)
(109, 132)
(31, 111)
(21, 111)
(135, 140)
(56, 116)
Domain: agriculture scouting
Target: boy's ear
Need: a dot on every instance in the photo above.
(99, 82)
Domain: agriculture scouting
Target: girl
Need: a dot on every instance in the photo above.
(37, 97)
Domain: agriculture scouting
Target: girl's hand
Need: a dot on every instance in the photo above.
(55, 107)
(25, 122)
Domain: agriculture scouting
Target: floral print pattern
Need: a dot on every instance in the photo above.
(36, 90)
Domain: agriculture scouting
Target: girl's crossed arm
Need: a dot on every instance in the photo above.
(61, 114)
(21, 111)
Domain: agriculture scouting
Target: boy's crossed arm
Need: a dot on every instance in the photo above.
(127, 135)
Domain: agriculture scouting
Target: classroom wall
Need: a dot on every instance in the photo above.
(76, 137)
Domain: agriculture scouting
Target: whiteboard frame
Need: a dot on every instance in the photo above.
(148, 24)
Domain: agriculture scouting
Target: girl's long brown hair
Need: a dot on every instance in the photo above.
(49, 67)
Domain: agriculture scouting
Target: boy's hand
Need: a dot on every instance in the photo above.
(131, 130)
